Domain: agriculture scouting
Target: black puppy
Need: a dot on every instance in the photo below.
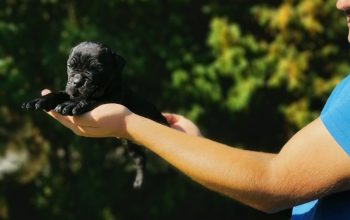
(94, 78)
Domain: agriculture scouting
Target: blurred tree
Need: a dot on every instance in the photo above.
(249, 73)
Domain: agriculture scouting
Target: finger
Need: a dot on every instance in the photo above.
(173, 115)
(93, 118)
(179, 128)
(45, 92)
(67, 121)
(84, 120)
(85, 131)
(73, 123)
(171, 118)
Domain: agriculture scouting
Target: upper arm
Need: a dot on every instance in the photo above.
(309, 166)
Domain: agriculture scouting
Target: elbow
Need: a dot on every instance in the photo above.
(276, 193)
(265, 209)
(269, 207)
(272, 197)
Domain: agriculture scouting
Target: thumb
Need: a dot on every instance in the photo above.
(45, 92)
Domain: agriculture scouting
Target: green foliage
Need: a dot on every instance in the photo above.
(249, 74)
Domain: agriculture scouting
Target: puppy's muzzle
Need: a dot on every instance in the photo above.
(78, 80)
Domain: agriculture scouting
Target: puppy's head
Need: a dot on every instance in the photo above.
(91, 68)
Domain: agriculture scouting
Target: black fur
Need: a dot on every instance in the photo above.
(94, 78)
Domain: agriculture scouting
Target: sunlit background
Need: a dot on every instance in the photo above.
(249, 73)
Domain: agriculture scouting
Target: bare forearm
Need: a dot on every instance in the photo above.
(237, 173)
(310, 165)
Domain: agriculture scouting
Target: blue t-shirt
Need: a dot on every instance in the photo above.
(336, 118)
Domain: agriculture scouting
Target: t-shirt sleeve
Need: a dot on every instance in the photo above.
(336, 114)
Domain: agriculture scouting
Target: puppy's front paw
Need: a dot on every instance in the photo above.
(46, 102)
(39, 103)
(74, 107)
(66, 108)
(30, 104)
(82, 107)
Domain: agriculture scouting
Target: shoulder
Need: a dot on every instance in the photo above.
(339, 96)
(335, 116)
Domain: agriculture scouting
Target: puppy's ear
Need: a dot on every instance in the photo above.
(120, 62)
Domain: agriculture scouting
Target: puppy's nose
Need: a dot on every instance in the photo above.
(78, 80)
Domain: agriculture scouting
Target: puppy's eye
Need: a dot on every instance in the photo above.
(72, 63)
(96, 68)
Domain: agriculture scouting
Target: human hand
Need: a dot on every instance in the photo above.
(107, 120)
(183, 124)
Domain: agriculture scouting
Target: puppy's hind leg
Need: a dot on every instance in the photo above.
(138, 156)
